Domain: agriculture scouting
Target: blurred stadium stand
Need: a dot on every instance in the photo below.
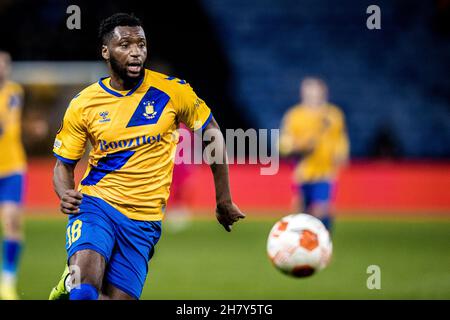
(392, 82)
(246, 59)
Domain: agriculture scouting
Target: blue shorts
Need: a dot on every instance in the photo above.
(11, 188)
(127, 245)
(315, 192)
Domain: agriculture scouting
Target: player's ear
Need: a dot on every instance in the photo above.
(105, 52)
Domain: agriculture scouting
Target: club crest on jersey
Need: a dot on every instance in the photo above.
(150, 108)
(150, 112)
(104, 115)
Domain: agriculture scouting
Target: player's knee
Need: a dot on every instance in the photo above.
(320, 210)
(84, 291)
(12, 225)
(88, 267)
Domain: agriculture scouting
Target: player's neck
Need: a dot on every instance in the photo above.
(314, 105)
(117, 83)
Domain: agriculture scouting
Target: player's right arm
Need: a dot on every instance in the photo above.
(69, 147)
(64, 185)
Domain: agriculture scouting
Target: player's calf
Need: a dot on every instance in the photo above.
(91, 266)
(321, 210)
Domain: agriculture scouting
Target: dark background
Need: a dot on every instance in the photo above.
(246, 59)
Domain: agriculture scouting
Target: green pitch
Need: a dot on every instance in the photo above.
(205, 262)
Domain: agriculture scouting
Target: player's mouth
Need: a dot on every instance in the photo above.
(134, 67)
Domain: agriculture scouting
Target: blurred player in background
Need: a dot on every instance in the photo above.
(12, 170)
(313, 132)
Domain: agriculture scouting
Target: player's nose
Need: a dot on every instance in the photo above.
(135, 51)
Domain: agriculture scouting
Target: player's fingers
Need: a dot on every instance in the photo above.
(73, 201)
(74, 194)
(70, 199)
(229, 220)
(68, 211)
(224, 222)
(67, 205)
(240, 215)
(227, 227)
(235, 217)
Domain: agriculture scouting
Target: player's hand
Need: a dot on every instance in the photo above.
(70, 202)
(228, 213)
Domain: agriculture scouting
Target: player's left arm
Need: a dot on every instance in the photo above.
(227, 212)
(342, 144)
(196, 115)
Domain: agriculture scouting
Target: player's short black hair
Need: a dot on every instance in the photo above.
(118, 19)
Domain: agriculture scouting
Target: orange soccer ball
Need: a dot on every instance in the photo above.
(299, 245)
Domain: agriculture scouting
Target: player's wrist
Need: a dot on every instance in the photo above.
(223, 203)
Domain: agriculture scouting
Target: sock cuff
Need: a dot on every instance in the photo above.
(85, 291)
(11, 253)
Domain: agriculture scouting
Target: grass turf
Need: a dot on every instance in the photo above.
(205, 262)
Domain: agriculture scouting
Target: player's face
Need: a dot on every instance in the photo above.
(127, 52)
(313, 93)
(5, 65)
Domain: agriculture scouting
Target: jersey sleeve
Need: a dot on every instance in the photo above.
(191, 110)
(71, 137)
(15, 105)
(16, 99)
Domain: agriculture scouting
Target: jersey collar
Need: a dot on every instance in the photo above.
(117, 93)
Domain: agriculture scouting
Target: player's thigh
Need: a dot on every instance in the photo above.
(90, 241)
(11, 188)
(128, 267)
(11, 197)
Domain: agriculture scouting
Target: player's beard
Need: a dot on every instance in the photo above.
(128, 82)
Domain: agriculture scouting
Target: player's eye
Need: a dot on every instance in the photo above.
(124, 45)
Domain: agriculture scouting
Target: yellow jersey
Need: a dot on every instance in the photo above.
(13, 155)
(133, 136)
(320, 130)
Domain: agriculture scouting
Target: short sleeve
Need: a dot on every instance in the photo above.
(16, 97)
(191, 110)
(71, 137)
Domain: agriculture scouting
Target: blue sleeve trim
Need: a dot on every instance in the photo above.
(65, 160)
(207, 121)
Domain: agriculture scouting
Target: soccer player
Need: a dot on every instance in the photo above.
(12, 170)
(313, 131)
(129, 118)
